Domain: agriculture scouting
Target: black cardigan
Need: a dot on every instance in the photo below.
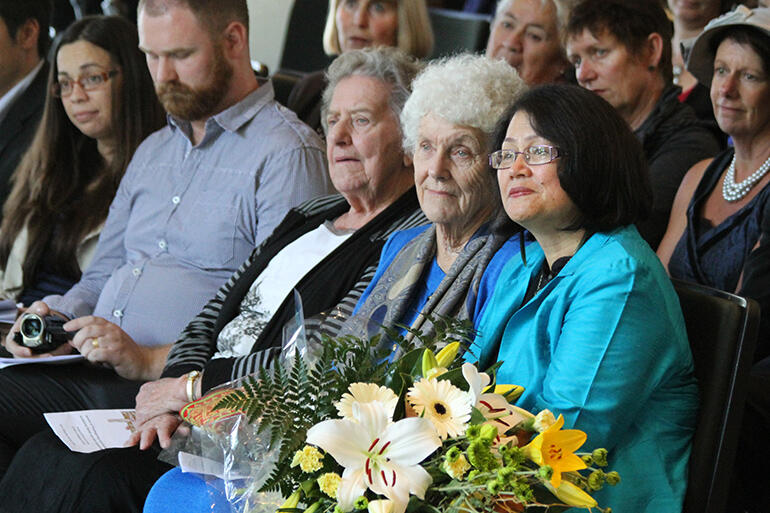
(337, 281)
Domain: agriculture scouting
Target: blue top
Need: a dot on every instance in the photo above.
(604, 344)
(185, 217)
(432, 279)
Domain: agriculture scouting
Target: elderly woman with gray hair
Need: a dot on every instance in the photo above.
(327, 249)
(449, 267)
(528, 34)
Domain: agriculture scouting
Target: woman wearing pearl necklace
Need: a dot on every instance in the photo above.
(719, 231)
(722, 207)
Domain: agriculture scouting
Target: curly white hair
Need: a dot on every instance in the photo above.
(468, 90)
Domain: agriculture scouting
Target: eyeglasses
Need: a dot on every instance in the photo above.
(64, 86)
(534, 155)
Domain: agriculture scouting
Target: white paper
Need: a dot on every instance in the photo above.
(92, 430)
(200, 465)
(50, 360)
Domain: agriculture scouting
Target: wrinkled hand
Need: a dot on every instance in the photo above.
(167, 395)
(161, 427)
(19, 351)
(103, 342)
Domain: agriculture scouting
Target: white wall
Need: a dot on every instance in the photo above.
(268, 20)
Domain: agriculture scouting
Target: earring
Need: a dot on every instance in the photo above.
(651, 68)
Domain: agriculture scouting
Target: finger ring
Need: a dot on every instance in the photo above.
(95, 342)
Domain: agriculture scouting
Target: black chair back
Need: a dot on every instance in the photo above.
(722, 329)
(283, 82)
(458, 31)
(303, 47)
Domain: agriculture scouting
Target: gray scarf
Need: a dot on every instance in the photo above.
(455, 296)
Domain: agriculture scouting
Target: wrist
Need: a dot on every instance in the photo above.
(154, 359)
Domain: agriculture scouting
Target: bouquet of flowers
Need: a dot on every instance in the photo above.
(359, 429)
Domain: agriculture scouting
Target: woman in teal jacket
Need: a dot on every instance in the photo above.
(586, 318)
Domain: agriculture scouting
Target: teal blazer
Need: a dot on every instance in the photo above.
(604, 344)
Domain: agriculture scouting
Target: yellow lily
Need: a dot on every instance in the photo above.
(572, 495)
(510, 392)
(556, 449)
(291, 502)
(447, 355)
(429, 362)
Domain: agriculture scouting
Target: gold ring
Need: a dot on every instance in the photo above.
(95, 342)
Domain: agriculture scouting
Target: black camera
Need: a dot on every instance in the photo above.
(42, 334)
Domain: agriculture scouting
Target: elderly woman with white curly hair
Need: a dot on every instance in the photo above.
(449, 267)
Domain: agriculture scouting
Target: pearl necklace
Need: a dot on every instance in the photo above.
(732, 191)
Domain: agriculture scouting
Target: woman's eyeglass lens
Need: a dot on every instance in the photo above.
(534, 155)
(64, 86)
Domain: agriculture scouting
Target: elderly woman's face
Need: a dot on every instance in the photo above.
(363, 140)
(532, 194)
(606, 66)
(365, 23)
(526, 36)
(740, 90)
(454, 186)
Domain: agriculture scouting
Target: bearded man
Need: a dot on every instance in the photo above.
(198, 197)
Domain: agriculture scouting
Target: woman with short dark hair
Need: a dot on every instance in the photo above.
(586, 319)
(718, 231)
(621, 50)
(617, 190)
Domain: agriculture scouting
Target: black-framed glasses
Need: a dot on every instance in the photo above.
(533, 155)
(88, 82)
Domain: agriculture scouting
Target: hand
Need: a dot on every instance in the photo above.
(161, 427)
(19, 351)
(167, 395)
(103, 342)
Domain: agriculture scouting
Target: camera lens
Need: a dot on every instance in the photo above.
(31, 327)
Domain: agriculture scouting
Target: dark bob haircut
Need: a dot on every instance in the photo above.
(602, 167)
(630, 21)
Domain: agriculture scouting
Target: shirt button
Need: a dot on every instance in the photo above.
(162, 244)
(175, 200)
(137, 271)
(117, 313)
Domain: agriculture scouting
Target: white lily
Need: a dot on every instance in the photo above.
(477, 381)
(496, 408)
(378, 454)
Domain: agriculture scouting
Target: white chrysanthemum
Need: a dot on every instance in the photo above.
(363, 393)
(445, 405)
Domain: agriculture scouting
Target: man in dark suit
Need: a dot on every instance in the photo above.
(24, 42)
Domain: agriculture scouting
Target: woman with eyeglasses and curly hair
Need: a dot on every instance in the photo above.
(101, 104)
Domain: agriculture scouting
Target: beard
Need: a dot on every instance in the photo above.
(193, 104)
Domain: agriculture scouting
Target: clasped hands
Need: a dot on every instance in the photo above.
(157, 404)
